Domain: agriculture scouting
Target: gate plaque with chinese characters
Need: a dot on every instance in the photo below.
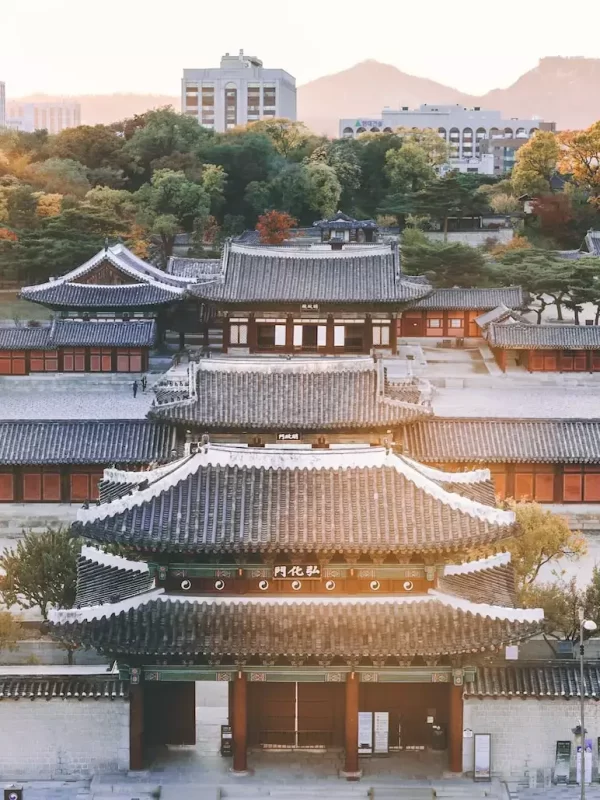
(288, 571)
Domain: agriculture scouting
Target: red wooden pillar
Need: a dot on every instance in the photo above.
(351, 770)
(136, 726)
(240, 723)
(455, 728)
(394, 327)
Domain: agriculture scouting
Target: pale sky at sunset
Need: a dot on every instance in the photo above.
(79, 46)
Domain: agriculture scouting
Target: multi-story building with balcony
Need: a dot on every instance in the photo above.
(240, 91)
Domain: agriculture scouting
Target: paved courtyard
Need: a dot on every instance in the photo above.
(548, 402)
(105, 402)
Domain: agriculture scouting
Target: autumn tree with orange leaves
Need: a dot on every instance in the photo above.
(274, 227)
(580, 158)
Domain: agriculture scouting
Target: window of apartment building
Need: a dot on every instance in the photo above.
(238, 333)
(231, 102)
(442, 133)
(253, 100)
(191, 96)
(43, 361)
(208, 105)
(269, 97)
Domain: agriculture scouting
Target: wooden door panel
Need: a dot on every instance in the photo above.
(170, 713)
(32, 486)
(7, 486)
(51, 486)
(271, 713)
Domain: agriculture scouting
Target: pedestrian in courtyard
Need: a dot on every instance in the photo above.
(135, 389)
(144, 383)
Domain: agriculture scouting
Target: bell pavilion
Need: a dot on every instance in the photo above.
(317, 583)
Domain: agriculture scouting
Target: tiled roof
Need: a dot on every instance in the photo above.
(592, 241)
(341, 221)
(194, 268)
(504, 440)
(149, 285)
(308, 395)
(102, 578)
(72, 333)
(542, 679)
(62, 687)
(354, 628)
(495, 585)
(228, 499)
(519, 336)
(79, 295)
(369, 274)
(85, 442)
(476, 299)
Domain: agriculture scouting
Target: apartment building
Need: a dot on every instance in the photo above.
(53, 117)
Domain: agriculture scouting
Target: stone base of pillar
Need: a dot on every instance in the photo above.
(235, 773)
(351, 776)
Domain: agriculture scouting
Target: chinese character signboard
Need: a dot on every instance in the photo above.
(288, 571)
(288, 437)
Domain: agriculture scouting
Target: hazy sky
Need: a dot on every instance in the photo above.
(80, 46)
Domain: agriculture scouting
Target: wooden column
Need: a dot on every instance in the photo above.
(240, 723)
(351, 770)
(394, 323)
(136, 726)
(455, 728)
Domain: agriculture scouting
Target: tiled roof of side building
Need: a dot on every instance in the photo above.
(365, 499)
(79, 295)
(573, 441)
(73, 333)
(85, 442)
(195, 268)
(475, 299)
(350, 627)
(482, 583)
(369, 274)
(62, 687)
(305, 395)
(519, 336)
(551, 679)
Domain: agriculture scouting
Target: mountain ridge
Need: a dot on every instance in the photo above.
(558, 89)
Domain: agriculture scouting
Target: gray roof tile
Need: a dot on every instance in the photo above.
(80, 295)
(541, 679)
(85, 442)
(475, 299)
(504, 440)
(72, 333)
(520, 336)
(62, 687)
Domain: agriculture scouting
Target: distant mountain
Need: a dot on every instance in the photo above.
(561, 90)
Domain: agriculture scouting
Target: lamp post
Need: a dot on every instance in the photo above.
(585, 625)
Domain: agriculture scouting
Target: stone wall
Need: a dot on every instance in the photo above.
(51, 739)
(525, 732)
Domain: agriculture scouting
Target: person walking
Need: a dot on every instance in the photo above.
(135, 389)
(144, 383)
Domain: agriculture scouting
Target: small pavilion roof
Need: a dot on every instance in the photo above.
(142, 284)
(76, 333)
(299, 395)
(523, 336)
(341, 221)
(228, 499)
(561, 441)
(368, 274)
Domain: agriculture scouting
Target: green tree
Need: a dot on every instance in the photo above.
(61, 176)
(214, 180)
(429, 141)
(40, 571)
(445, 265)
(290, 191)
(450, 196)
(288, 136)
(170, 204)
(324, 189)
(409, 169)
(536, 163)
(21, 207)
(342, 156)
(561, 601)
(372, 152)
(98, 148)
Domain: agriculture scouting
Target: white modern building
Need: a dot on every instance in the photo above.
(463, 128)
(241, 90)
(53, 117)
(2, 104)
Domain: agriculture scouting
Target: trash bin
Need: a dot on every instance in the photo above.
(13, 793)
(438, 737)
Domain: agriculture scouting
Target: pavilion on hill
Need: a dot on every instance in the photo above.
(317, 583)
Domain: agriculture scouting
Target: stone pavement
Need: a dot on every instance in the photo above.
(77, 402)
(516, 401)
(592, 792)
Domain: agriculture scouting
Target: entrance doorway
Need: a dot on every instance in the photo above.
(169, 714)
(309, 337)
(296, 715)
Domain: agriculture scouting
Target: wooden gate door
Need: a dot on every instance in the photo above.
(170, 713)
(413, 323)
(320, 714)
(271, 714)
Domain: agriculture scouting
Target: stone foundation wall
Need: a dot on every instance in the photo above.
(45, 740)
(525, 732)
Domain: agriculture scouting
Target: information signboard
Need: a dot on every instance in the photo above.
(587, 762)
(226, 740)
(365, 732)
(382, 732)
(562, 762)
(483, 756)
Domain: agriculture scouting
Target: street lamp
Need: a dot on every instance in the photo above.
(590, 626)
